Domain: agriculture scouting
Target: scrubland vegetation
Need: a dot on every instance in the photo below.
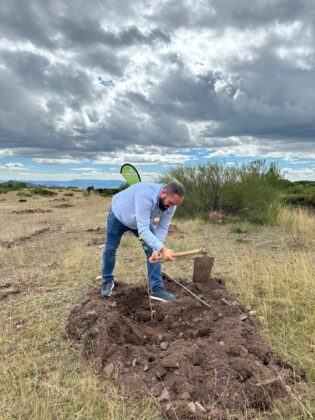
(263, 249)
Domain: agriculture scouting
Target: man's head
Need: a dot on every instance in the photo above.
(172, 194)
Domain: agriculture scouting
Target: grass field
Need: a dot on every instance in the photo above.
(44, 375)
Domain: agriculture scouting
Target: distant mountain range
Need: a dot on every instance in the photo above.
(79, 183)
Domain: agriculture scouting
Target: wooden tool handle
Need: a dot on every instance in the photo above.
(186, 253)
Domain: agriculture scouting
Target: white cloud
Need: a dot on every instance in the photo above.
(61, 161)
(141, 156)
(87, 168)
(6, 152)
(13, 165)
(299, 174)
(43, 176)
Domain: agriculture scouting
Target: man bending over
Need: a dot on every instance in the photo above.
(134, 209)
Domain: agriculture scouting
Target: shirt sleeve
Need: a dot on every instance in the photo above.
(143, 207)
(162, 227)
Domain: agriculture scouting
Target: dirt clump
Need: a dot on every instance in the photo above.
(8, 289)
(63, 206)
(98, 230)
(23, 239)
(99, 239)
(173, 230)
(199, 362)
(39, 210)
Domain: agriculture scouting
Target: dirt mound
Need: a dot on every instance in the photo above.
(172, 229)
(59, 199)
(98, 230)
(99, 239)
(63, 206)
(22, 239)
(198, 361)
(8, 289)
(31, 211)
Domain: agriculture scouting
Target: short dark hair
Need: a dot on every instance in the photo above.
(175, 187)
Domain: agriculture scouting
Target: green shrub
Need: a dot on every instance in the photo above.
(243, 227)
(251, 191)
(203, 184)
(299, 200)
(43, 191)
(108, 192)
(24, 194)
(252, 198)
(67, 194)
(12, 186)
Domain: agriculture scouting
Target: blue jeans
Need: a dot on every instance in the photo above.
(115, 230)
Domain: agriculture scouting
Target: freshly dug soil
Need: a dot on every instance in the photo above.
(200, 362)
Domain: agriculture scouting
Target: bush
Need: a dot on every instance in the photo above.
(252, 198)
(251, 191)
(203, 184)
(299, 200)
(43, 191)
(300, 193)
(243, 227)
(12, 186)
(24, 194)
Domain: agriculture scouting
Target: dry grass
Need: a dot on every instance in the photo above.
(298, 221)
(43, 375)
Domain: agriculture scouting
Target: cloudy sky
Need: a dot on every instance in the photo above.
(88, 86)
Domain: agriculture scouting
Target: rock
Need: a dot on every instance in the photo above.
(168, 407)
(192, 408)
(146, 368)
(109, 369)
(200, 408)
(134, 362)
(226, 302)
(164, 396)
(261, 318)
(216, 216)
(243, 317)
(164, 345)
(216, 413)
(185, 396)
(170, 362)
(252, 312)
(160, 372)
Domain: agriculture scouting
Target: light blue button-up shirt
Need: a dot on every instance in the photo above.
(137, 206)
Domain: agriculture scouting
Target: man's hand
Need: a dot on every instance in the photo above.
(153, 259)
(167, 254)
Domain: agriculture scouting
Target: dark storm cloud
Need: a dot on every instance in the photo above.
(52, 54)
